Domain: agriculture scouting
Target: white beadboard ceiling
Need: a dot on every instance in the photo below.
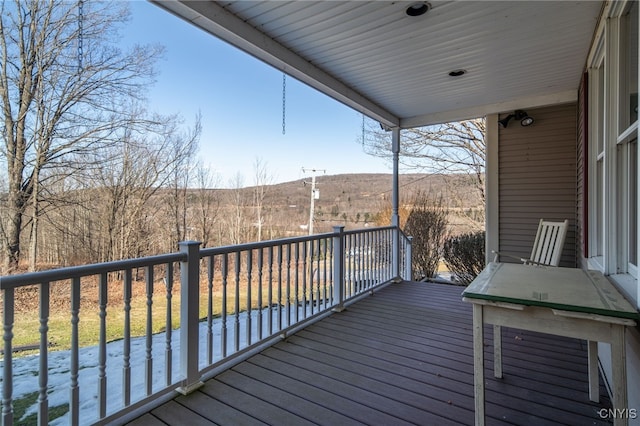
(395, 68)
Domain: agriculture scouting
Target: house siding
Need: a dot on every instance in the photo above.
(537, 179)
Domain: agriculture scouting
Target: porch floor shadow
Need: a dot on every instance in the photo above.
(401, 356)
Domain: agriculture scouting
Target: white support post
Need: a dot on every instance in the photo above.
(338, 268)
(189, 321)
(491, 188)
(395, 201)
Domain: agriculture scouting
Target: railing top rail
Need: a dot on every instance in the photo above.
(364, 230)
(402, 233)
(262, 244)
(281, 241)
(30, 278)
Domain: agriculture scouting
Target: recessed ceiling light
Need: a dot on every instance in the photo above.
(457, 73)
(418, 9)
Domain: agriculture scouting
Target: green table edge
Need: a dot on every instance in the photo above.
(605, 312)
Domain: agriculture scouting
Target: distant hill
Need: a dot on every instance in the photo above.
(354, 200)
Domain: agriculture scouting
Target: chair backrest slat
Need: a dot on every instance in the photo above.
(547, 247)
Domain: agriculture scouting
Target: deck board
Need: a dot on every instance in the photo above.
(401, 356)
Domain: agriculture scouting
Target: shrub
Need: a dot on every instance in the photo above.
(464, 256)
(426, 223)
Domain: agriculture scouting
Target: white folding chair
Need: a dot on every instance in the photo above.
(547, 247)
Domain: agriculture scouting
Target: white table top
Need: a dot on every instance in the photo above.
(569, 289)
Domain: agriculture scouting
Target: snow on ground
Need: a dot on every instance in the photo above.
(26, 377)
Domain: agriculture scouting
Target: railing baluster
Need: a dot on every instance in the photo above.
(296, 291)
(305, 299)
(74, 389)
(338, 268)
(346, 267)
(322, 273)
(280, 260)
(148, 376)
(379, 253)
(357, 276)
(350, 265)
(288, 301)
(362, 282)
(236, 321)
(390, 256)
(331, 261)
(312, 294)
(223, 332)
(168, 351)
(259, 303)
(366, 269)
(7, 367)
(270, 291)
(43, 402)
(372, 257)
(370, 278)
(249, 284)
(102, 346)
(126, 343)
(210, 273)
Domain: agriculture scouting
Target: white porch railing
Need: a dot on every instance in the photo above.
(252, 295)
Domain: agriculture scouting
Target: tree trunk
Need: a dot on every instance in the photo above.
(15, 210)
(33, 243)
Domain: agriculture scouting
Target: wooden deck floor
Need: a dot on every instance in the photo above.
(401, 356)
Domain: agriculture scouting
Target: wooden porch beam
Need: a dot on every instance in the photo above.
(470, 112)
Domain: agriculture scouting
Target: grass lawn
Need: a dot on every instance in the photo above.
(26, 330)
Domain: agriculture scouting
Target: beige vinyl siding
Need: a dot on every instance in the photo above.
(537, 179)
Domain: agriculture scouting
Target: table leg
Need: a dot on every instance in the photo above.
(497, 351)
(619, 371)
(478, 363)
(594, 382)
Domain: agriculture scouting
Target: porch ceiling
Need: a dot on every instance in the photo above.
(395, 68)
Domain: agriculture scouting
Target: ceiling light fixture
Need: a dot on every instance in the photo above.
(525, 119)
(418, 9)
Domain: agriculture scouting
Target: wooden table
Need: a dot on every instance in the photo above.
(566, 302)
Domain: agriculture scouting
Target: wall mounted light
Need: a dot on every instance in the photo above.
(525, 119)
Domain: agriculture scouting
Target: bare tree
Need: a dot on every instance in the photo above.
(452, 150)
(237, 204)
(63, 93)
(131, 172)
(207, 205)
(262, 180)
(183, 147)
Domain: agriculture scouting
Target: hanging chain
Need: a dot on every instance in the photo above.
(284, 103)
(80, 33)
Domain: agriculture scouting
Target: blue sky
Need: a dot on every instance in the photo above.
(240, 99)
